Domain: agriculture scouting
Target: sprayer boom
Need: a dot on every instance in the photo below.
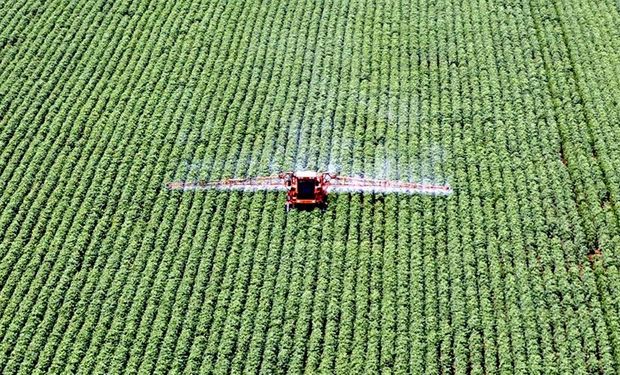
(310, 189)
(371, 185)
(256, 183)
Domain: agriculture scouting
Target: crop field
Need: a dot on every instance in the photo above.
(513, 103)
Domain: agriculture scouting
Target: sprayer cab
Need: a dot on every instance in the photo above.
(305, 189)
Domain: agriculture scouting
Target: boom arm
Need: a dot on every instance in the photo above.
(329, 182)
(273, 183)
(371, 185)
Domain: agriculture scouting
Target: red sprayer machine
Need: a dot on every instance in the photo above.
(309, 189)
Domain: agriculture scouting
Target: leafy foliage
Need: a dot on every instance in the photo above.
(514, 103)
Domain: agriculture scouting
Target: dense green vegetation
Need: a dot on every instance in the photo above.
(514, 103)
